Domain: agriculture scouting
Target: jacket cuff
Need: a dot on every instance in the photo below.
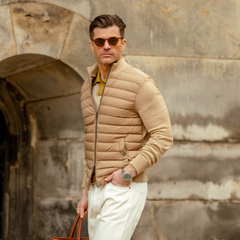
(140, 163)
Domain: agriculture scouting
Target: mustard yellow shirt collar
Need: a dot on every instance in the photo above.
(101, 85)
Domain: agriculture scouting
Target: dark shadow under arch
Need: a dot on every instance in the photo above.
(3, 160)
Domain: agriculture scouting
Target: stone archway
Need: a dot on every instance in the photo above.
(45, 29)
(44, 53)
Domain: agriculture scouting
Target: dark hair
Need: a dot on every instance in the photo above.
(106, 20)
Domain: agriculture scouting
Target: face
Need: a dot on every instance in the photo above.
(107, 54)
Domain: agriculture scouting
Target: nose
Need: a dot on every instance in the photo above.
(106, 45)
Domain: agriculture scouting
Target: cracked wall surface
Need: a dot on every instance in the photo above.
(191, 49)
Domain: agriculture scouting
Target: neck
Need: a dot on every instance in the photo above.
(104, 69)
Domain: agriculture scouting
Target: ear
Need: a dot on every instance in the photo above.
(91, 45)
(123, 45)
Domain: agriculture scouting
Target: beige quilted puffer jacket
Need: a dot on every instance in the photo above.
(132, 124)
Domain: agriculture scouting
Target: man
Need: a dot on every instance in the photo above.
(127, 129)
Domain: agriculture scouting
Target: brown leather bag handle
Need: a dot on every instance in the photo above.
(79, 221)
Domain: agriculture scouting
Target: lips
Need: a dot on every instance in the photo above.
(106, 54)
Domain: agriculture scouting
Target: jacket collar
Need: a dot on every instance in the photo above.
(117, 67)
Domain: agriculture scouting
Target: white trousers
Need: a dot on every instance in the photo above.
(113, 211)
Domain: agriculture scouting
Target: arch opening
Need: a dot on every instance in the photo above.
(41, 96)
(40, 77)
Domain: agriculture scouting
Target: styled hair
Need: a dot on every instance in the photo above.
(105, 21)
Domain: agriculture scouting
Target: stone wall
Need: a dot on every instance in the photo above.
(191, 49)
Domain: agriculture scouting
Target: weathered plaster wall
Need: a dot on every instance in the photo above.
(191, 49)
(201, 94)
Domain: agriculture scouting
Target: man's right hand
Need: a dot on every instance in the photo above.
(82, 207)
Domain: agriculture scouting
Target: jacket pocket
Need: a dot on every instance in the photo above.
(123, 151)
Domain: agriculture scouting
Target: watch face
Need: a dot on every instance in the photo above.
(127, 176)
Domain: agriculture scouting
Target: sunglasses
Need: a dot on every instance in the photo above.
(111, 41)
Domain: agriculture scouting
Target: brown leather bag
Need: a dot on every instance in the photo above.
(79, 221)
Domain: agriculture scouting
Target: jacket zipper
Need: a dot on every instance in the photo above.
(95, 144)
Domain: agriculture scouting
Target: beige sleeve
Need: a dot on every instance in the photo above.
(154, 114)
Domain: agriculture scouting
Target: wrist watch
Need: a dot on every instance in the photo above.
(127, 175)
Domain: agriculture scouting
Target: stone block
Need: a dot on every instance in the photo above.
(40, 28)
(48, 81)
(197, 220)
(202, 95)
(52, 169)
(3, 2)
(145, 228)
(177, 28)
(81, 7)
(55, 217)
(76, 166)
(59, 117)
(7, 44)
(76, 52)
(197, 171)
